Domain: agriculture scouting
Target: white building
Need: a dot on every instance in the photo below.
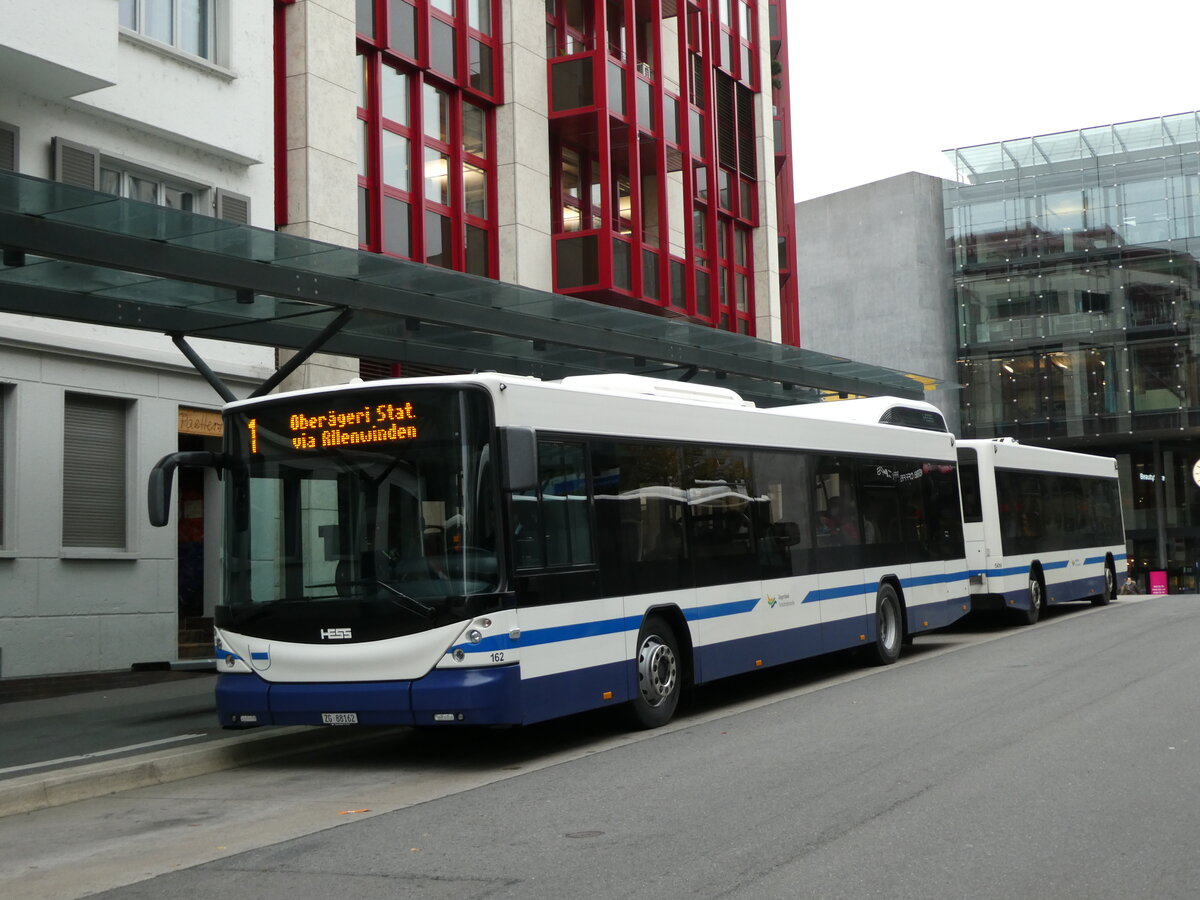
(142, 99)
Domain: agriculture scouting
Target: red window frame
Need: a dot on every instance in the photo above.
(451, 205)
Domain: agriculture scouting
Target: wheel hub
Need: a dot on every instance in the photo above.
(887, 626)
(657, 671)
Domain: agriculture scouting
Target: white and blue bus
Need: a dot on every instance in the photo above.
(1042, 526)
(493, 549)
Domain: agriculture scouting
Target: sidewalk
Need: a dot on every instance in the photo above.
(74, 737)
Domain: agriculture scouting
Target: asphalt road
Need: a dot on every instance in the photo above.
(992, 762)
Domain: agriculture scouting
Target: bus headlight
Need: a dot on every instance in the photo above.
(474, 636)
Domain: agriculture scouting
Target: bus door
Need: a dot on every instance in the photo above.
(844, 594)
(975, 544)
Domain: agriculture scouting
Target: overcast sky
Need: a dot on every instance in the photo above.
(882, 88)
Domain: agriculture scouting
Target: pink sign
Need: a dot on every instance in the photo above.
(1158, 582)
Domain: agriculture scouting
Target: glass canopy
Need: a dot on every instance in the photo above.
(1084, 145)
(71, 253)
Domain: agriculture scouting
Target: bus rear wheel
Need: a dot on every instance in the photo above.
(1037, 599)
(1110, 585)
(889, 627)
(658, 683)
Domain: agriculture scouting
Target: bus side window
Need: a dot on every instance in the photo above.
(566, 503)
(651, 508)
(528, 547)
(836, 505)
(552, 523)
(943, 537)
(783, 506)
(968, 479)
(721, 513)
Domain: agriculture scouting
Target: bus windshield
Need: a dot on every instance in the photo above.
(382, 495)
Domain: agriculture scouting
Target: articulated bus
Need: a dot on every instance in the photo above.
(1042, 526)
(493, 549)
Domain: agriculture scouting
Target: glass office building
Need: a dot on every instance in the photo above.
(1076, 287)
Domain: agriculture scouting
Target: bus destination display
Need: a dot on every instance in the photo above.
(377, 423)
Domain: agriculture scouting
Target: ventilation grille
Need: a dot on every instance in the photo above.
(925, 419)
(233, 207)
(8, 147)
(76, 164)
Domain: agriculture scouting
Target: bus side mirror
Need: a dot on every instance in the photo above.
(520, 459)
(158, 492)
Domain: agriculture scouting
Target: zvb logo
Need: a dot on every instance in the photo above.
(335, 634)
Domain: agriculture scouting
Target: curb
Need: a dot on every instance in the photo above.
(33, 792)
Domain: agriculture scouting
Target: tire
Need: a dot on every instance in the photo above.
(889, 627)
(1110, 585)
(658, 675)
(1037, 600)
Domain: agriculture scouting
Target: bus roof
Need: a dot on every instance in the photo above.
(1007, 453)
(658, 409)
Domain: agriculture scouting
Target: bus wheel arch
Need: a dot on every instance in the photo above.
(1110, 582)
(889, 623)
(662, 665)
(1036, 594)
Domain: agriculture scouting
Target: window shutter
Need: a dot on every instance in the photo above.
(747, 158)
(94, 468)
(233, 207)
(699, 69)
(726, 129)
(3, 429)
(76, 164)
(9, 146)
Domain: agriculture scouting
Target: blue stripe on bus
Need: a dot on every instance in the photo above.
(733, 608)
(558, 633)
(852, 590)
(1022, 570)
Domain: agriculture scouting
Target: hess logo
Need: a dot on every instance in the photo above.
(335, 634)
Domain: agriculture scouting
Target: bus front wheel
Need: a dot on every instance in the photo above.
(889, 626)
(1037, 600)
(658, 682)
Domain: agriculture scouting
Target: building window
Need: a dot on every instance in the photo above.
(427, 171)
(95, 444)
(84, 166)
(187, 25)
(148, 187)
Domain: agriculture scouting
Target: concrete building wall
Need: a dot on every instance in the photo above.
(873, 280)
(523, 149)
(67, 609)
(322, 81)
(69, 71)
(768, 323)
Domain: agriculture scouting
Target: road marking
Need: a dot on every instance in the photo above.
(99, 753)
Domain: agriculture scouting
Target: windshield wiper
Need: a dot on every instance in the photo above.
(414, 605)
(409, 603)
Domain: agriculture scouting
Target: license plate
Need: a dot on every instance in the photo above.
(339, 718)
